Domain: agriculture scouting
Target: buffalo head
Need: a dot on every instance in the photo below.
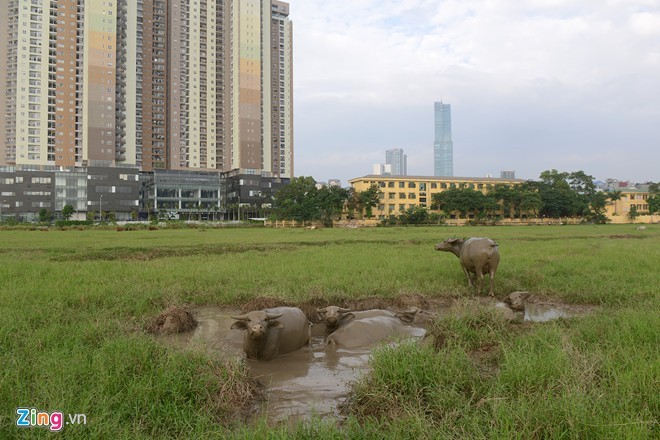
(256, 323)
(334, 315)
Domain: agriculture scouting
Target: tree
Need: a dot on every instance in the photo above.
(91, 215)
(369, 198)
(531, 202)
(556, 194)
(331, 200)
(463, 201)
(597, 207)
(352, 202)
(67, 212)
(297, 200)
(633, 214)
(508, 198)
(44, 216)
(654, 198)
(415, 215)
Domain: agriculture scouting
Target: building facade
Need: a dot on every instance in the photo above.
(443, 147)
(630, 199)
(128, 194)
(157, 84)
(398, 161)
(398, 193)
(26, 190)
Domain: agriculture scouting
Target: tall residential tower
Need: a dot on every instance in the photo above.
(443, 147)
(159, 84)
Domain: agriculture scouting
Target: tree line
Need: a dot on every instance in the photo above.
(556, 194)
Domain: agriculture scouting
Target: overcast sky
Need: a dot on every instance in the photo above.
(533, 85)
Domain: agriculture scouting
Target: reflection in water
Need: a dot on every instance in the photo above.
(545, 312)
(541, 312)
(310, 381)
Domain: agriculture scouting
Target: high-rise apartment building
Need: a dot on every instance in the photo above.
(59, 82)
(443, 147)
(398, 161)
(160, 84)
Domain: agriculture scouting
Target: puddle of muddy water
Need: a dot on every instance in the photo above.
(544, 312)
(311, 381)
(314, 380)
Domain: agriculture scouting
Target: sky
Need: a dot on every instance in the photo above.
(533, 85)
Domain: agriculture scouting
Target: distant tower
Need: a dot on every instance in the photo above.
(397, 160)
(508, 174)
(443, 147)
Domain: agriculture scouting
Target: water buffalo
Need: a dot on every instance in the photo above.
(415, 315)
(272, 332)
(334, 316)
(368, 331)
(516, 300)
(477, 255)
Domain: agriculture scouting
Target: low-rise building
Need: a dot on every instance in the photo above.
(631, 198)
(402, 192)
(127, 193)
(25, 190)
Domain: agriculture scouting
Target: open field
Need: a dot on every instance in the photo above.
(75, 305)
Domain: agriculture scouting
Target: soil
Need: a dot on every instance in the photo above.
(172, 320)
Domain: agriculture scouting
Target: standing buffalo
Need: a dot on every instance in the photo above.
(477, 255)
(272, 332)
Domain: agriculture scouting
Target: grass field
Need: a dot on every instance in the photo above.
(75, 305)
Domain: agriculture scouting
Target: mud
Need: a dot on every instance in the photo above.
(173, 320)
(310, 381)
(315, 380)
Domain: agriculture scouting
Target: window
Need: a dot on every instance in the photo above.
(391, 195)
(402, 195)
(411, 185)
(390, 184)
(402, 184)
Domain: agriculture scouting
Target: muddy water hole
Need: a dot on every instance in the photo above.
(315, 380)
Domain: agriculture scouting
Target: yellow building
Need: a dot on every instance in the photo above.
(402, 192)
(618, 210)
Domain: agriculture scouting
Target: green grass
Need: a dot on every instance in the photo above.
(75, 305)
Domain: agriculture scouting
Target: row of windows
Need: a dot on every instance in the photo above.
(19, 179)
(434, 185)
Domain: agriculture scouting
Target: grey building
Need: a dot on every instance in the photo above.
(250, 195)
(126, 193)
(443, 147)
(508, 174)
(27, 189)
(398, 161)
(183, 194)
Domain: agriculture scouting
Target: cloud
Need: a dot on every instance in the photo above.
(523, 76)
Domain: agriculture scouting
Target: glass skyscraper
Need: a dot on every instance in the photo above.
(443, 147)
(398, 160)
